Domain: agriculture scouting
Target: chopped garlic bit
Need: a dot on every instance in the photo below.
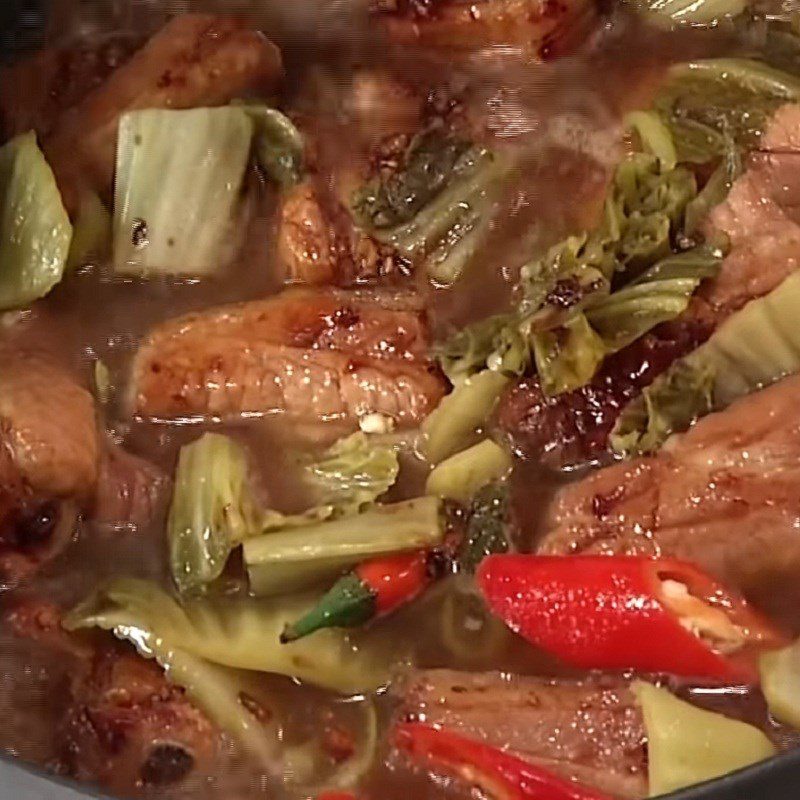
(376, 423)
(705, 622)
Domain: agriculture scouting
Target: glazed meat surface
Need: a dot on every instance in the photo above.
(721, 495)
(591, 731)
(315, 355)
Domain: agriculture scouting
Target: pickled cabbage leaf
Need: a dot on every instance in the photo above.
(290, 560)
(755, 347)
(431, 162)
(567, 357)
(179, 181)
(689, 12)
(488, 526)
(780, 682)
(659, 294)
(497, 342)
(353, 473)
(666, 406)
(643, 213)
(707, 102)
(462, 475)
(435, 207)
(238, 633)
(213, 509)
(35, 231)
(279, 145)
(688, 745)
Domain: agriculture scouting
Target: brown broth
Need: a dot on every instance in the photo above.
(563, 119)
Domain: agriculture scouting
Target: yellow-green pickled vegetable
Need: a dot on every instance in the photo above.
(755, 347)
(212, 510)
(239, 633)
(780, 682)
(91, 239)
(452, 426)
(462, 475)
(689, 12)
(295, 559)
(687, 745)
(714, 101)
(35, 231)
(178, 184)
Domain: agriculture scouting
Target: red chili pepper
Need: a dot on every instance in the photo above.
(373, 589)
(501, 775)
(616, 612)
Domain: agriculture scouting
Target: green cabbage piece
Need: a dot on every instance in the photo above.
(238, 633)
(755, 347)
(706, 103)
(780, 682)
(436, 208)
(454, 424)
(214, 509)
(568, 356)
(664, 407)
(91, 240)
(643, 213)
(659, 294)
(689, 12)
(279, 145)
(179, 180)
(290, 560)
(688, 745)
(498, 342)
(431, 162)
(463, 474)
(35, 231)
(353, 473)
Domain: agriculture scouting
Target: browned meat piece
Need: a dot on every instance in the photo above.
(723, 495)
(315, 355)
(760, 217)
(38, 89)
(196, 60)
(306, 246)
(48, 461)
(47, 424)
(589, 731)
(130, 490)
(384, 106)
(124, 726)
(318, 243)
(539, 28)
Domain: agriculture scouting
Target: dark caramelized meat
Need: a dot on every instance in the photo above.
(573, 428)
(316, 355)
(123, 725)
(37, 90)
